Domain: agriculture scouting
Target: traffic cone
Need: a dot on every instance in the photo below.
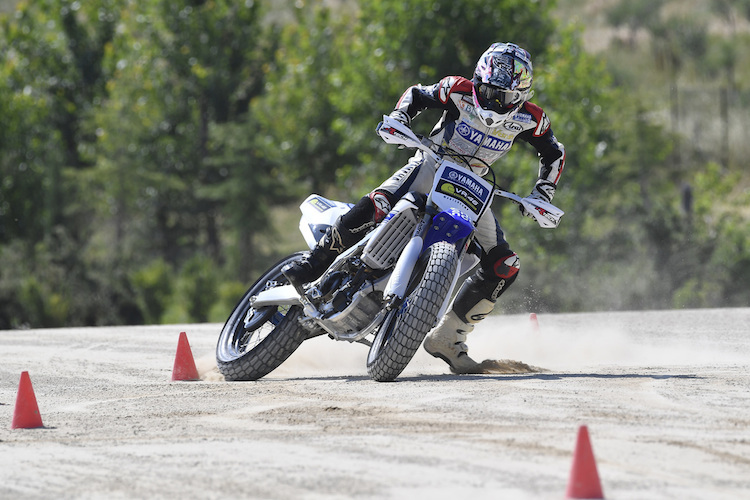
(584, 479)
(26, 414)
(534, 322)
(184, 364)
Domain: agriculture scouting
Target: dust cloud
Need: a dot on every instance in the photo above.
(513, 344)
(571, 341)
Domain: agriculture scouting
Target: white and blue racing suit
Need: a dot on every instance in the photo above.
(460, 130)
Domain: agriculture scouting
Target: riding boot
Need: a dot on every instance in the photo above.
(473, 302)
(447, 341)
(315, 263)
(347, 231)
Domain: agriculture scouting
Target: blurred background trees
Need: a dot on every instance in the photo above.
(153, 154)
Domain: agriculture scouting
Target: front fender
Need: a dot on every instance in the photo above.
(450, 226)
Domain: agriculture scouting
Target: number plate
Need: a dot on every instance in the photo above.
(457, 187)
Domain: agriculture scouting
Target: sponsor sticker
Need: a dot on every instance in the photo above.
(464, 188)
(320, 204)
(480, 139)
(513, 127)
(523, 117)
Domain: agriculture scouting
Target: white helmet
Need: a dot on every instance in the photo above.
(502, 82)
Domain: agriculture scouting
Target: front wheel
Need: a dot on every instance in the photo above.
(253, 342)
(404, 329)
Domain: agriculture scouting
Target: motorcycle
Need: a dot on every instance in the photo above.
(387, 291)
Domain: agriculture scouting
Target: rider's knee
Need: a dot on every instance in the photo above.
(478, 295)
(503, 264)
(368, 211)
(382, 201)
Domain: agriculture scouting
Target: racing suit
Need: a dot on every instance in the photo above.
(460, 130)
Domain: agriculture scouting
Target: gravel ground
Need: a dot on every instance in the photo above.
(665, 396)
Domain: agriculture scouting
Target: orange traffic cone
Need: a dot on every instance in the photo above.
(184, 364)
(26, 414)
(584, 479)
(534, 322)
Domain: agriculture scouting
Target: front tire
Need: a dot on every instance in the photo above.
(404, 329)
(253, 343)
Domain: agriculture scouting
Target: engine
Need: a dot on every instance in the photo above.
(350, 297)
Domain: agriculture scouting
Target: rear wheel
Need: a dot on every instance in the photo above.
(254, 342)
(404, 329)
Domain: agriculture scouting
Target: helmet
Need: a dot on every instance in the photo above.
(502, 82)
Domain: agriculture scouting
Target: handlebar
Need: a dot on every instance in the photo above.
(393, 131)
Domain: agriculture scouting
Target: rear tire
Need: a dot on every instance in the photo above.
(253, 343)
(403, 331)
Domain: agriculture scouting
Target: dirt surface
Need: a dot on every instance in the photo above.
(665, 396)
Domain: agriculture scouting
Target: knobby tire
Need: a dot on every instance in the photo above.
(404, 330)
(274, 332)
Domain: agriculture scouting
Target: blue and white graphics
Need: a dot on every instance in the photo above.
(459, 184)
(481, 139)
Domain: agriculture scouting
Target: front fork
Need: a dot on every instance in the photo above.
(450, 226)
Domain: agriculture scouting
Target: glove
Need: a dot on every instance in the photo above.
(401, 116)
(543, 191)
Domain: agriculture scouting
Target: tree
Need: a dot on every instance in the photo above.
(635, 15)
(52, 60)
(298, 111)
(178, 68)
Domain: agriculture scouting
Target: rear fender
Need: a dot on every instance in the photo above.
(318, 214)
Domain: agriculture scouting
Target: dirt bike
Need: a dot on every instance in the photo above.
(387, 291)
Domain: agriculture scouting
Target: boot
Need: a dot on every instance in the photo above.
(447, 342)
(309, 268)
(316, 262)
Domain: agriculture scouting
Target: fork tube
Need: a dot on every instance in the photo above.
(399, 279)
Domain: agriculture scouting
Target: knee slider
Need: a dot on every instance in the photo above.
(506, 267)
(368, 211)
(477, 296)
(381, 202)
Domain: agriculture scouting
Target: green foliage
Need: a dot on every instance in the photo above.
(195, 292)
(178, 68)
(152, 153)
(634, 14)
(297, 112)
(227, 296)
(153, 287)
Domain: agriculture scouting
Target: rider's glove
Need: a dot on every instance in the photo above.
(544, 191)
(401, 116)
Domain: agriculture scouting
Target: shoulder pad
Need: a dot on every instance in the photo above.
(539, 116)
(451, 84)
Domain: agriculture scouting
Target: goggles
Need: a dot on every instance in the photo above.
(495, 99)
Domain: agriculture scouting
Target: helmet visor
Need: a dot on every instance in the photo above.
(493, 98)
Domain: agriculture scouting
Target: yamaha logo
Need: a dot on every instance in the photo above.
(463, 180)
(463, 130)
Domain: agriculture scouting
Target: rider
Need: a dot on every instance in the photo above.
(481, 119)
